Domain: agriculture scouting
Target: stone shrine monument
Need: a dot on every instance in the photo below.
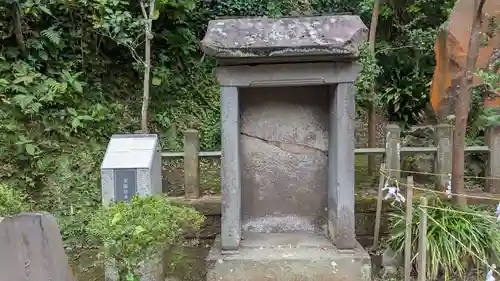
(132, 165)
(288, 118)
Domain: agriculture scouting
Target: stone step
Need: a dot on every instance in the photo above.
(287, 257)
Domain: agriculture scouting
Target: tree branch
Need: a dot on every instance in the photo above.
(143, 9)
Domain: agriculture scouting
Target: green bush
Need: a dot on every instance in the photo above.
(477, 230)
(135, 232)
(12, 201)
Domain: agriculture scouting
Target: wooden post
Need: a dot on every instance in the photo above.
(392, 151)
(493, 142)
(444, 143)
(191, 164)
(422, 241)
(378, 214)
(409, 217)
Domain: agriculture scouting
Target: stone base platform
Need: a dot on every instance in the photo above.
(287, 257)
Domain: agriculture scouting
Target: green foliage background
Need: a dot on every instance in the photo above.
(74, 78)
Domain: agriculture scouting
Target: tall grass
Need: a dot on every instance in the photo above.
(477, 230)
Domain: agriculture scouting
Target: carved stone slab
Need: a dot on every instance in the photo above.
(32, 250)
(338, 35)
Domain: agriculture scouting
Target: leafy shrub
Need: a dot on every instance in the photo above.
(446, 256)
(12, 201)
(366, 79)
(135, 232)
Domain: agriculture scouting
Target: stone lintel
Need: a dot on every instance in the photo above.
(341, 147)
(337, 36)
(291, 74)
(276, 60)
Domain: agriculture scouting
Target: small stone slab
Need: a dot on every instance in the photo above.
(32, 250)
(338, 35)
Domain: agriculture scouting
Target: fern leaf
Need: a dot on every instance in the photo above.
(52, 34)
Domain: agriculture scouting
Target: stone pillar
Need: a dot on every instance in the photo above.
(493, 172)
(341, 167)
(230, 170)
(393, 152)
(191, 164)
(444, 142)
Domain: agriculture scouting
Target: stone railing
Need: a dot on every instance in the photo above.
(393, 151)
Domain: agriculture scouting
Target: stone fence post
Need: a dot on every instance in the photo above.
(493, 142)
(392, 151)
(191, 164)
(444, 143)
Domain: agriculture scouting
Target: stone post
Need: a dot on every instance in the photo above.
(341, 167)
(493, 142)
(392, 151)
(230, 170)
(191, 164)
(444, 143)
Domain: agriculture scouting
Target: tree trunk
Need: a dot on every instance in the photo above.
(462, 108)
(18, 27)
(147, 65)
(372, 110)
(145, 96)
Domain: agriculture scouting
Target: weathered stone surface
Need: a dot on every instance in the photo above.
(283, 146)
(290, 256)
(32, 250)
(284, 37)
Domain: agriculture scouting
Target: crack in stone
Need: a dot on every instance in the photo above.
(296, 148)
